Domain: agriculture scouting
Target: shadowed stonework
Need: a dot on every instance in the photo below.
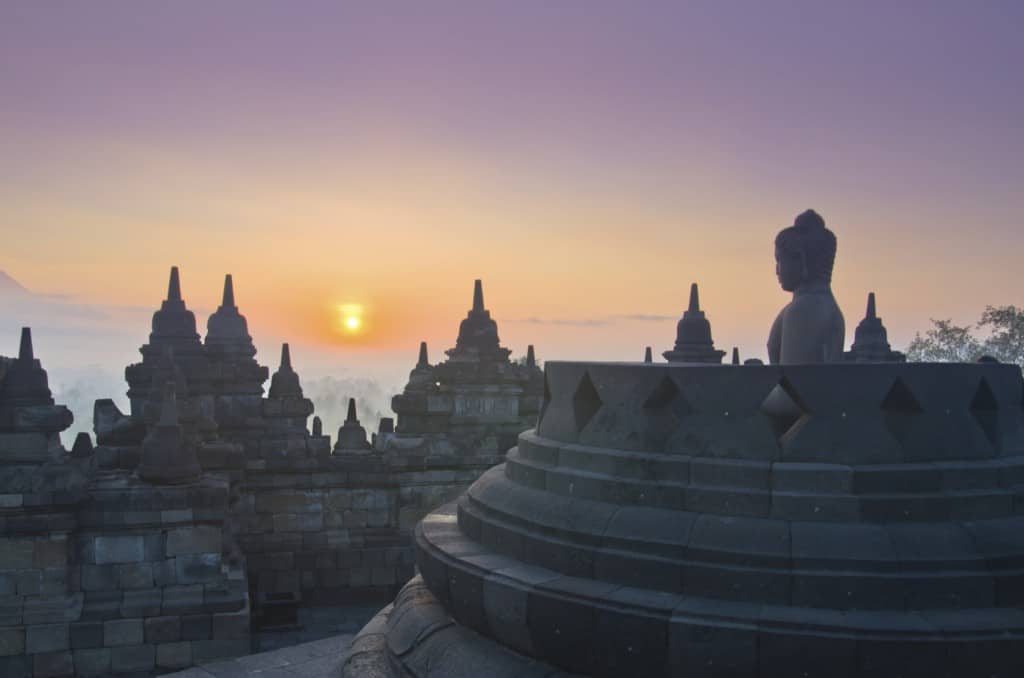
(211, 507)
(817, 517)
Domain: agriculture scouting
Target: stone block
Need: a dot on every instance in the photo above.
(231, 625)
(141, 603)
(28, 447)
(92, 662)
(164, 573)
(28, 582)
(154, 547)
(16, 554)
(8, 585)
(197, 568)
(159, 630)
(196, 627)
(135, 658)
(194, 540)
(122, 632)
(119, 549)
(12, 642)
(135, 575)
(100, 577)
(50, 553)
(53, 581)
(53, 665)
(339, 499)
(16, 666)
(101, 605)
(86, 635)
(174, 655)
(720, 651)
(225, 598)
(47, 638)
(382, 576)
(11, 501)
(183, 599)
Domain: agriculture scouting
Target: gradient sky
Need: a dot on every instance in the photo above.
(588, 160)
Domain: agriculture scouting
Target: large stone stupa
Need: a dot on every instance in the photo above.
(811, 517)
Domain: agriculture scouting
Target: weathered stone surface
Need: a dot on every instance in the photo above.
(52, 665)
(86, 635)
(174, 655)
(132, 658)
(92, 662)
(12, 641)
(194, 540)
(121, 632)
(47, 638)
(159, 630)
(119, 549)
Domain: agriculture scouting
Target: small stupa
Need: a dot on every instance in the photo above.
(167, 456)
(351, 435)
(693, 336)
(227, 332)
(871, 340)
(25, 383)
(285, 382)
(478, 332)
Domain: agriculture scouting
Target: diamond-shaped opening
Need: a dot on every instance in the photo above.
(985, 411)
(899, 408)
(585, 402)
(547, 399)
(784, 409)
(666, 398)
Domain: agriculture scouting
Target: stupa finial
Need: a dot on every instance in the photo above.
(25, 349)
(422, 361)
(478, 296)
(286, 357)
(735, 355)
(694, 299)
(871, 313)
(531, 357)
(648, 355)
(228, 301)
(351, 416)
(174, 286)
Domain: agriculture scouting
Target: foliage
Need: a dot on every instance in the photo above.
(946, 342)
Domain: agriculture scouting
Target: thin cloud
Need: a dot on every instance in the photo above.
(647, 317)
(598, 322)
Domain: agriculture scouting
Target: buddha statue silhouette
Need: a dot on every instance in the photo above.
(810, 329)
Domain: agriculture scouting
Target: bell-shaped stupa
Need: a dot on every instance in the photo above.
(693, 336)
(871, 340)
(351, 435)
(168, 457)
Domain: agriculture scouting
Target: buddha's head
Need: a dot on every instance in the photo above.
(804, 252)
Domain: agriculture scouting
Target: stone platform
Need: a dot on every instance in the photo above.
(705, 520)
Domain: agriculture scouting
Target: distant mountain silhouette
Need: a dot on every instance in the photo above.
(9, 287)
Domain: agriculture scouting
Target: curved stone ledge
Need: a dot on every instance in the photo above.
(604, 629)
(785, 491)
(884, 413)
(804, 564)
(415, 637)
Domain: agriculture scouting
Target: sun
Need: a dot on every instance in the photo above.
(350, 318)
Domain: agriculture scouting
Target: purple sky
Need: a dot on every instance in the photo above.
(681, 135)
